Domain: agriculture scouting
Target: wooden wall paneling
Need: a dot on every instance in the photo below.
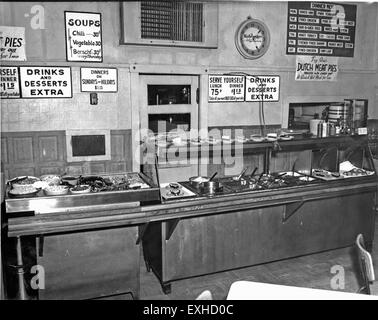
(118, 147)
(4, 151)
(74, 169)
(23, 150)
(117, 167)
(97, 167)
(48, 149)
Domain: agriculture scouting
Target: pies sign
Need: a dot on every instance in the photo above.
(12, 44)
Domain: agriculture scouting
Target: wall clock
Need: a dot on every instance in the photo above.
(252, 38)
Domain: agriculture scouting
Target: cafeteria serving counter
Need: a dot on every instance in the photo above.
(95, 252)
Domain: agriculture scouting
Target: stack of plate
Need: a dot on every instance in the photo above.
(338, 111)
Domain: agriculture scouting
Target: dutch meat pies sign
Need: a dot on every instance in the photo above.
(46, 82)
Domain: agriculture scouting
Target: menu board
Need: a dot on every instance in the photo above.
(12, 44)
(9, 83)
(83, 36)
(46, 82)
(262, 88)
(226, 88)
(321, 28)
(98, 79)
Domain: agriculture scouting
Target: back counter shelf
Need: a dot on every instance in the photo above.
(205, 234)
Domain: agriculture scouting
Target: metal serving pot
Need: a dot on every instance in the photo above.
(212, 186)
(198, 181)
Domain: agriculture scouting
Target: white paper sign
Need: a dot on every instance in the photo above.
(9, 83)
(12, 44)
(226, 88)
(83, 36)
(316, 68)
(98, 79)
(46, 82)
(262, 88)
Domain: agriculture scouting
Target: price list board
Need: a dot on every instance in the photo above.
(321, 28)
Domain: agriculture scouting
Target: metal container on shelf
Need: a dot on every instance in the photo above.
(358, 113)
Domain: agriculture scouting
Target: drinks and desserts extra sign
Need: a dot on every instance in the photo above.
(46, 82)
(83, 36)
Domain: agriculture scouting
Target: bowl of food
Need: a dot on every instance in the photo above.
(23, 191)
(55, 190)
(51, 179)
(70, 180)
(23, 181)
(80, 189)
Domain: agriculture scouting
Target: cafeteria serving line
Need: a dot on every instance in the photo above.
(149, 148)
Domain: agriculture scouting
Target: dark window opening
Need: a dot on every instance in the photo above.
(88, 145)
(168, 94)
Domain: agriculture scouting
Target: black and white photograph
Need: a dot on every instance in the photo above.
(201, 152)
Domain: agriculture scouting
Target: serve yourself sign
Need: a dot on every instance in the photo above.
(226, 88)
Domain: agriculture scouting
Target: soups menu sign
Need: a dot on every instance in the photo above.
(83, 36)
(321, 28)
(46, 82)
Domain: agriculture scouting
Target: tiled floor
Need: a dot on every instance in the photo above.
(312, 271)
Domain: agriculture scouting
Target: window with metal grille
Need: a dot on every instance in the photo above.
(170, 20)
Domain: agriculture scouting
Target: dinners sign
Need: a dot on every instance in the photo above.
(83, 36)
(98, 79)
(46, 82)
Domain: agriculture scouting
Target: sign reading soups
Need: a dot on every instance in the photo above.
(262, 88)
(98, 79)
(12, 44)
(9, 83)
(226, 88)
(83, 36)
(46, 82)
